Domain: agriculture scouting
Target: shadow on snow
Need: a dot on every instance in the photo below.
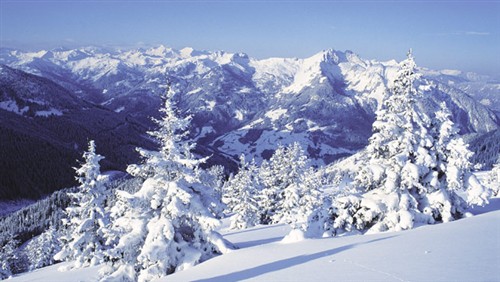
(283, 264)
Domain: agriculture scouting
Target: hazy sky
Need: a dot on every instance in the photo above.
(443, 34)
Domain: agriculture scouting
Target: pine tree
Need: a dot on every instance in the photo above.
(213, 178)
(273, 179)
(41, 250)
(300, 197)
(287, 166)
(174, 159)
(87, 221)
(164, 226)
(241, 193)
(410, 172)
(494, 178)
(8, 255)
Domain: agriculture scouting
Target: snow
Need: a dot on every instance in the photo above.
(485, 102)
(451, 72)
(11, 106)
(276, 114)
(51, 112)
(195, 91)
(210, 105)
(238, 115)
(120, 109)
(309, 70)
(54, 273)
(463, 250)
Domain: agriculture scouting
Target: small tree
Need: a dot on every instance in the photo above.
(241, 193)
(301, 195)
(213, 178)
(287, 166)
(87, 221)
(41, 250)
(8, 256)
(494, 178)
(273, 178)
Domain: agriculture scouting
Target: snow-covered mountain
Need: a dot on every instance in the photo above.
(245, 105)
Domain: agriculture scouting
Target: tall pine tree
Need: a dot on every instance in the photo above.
(87, 220)
(164, 226)
(410, 172)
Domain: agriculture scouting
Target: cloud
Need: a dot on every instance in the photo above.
(479, 33)
(461, 33)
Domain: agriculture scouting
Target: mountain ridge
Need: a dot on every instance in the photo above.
(241, 105)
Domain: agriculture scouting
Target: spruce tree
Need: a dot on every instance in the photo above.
(165, 226)
(300, 197)
(412, 168)
(87, 220)
(8, 255)
(286, 166)
(493, 180)
(41, 250)
(241, 193)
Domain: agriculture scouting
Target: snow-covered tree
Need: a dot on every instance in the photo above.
(273, 178)
(282, 179)
(453, 172)
(410, 172)
(164, 226)
(241, 194)
(213, 178)
(41, 250)
(494, 178)
(8, 255)
(174, 157)
(87, 221)
(301, 196)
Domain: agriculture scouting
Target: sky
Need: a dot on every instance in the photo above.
(462, 35)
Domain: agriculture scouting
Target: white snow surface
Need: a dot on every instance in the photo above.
(12, 106)
(51, 112)
(463, 250)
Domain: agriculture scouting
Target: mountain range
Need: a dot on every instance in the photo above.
(54, 101)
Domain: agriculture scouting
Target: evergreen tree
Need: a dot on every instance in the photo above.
(213, 178)
(287, 166)
(8, 255)
(41, 250)
(241, 193)
(164, 226)
(301, 195)
(452, 173)
(87, 221)
(409, 172)
(273, 179)
(494, 178)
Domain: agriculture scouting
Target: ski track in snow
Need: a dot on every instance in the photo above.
(375, 270)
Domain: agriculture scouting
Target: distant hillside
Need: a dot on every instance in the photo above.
(44, 130)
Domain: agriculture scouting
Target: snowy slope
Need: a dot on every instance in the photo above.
(464, 250)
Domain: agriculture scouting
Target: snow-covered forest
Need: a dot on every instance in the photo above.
(166, 215)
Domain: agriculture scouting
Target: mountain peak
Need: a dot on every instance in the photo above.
(159, 51)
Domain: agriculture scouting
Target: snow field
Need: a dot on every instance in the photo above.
(462, 250)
